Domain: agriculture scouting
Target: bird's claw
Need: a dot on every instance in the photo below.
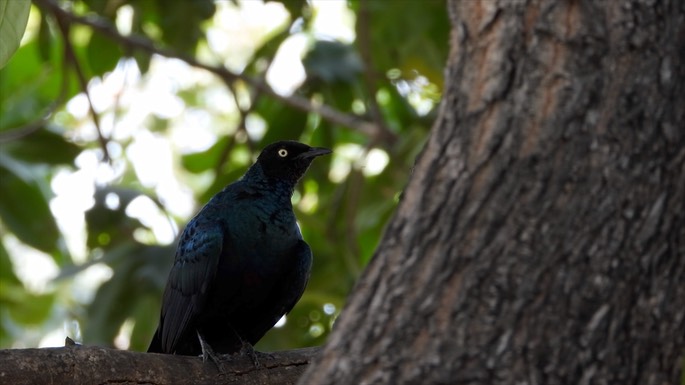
(208, 354)
(248, 350)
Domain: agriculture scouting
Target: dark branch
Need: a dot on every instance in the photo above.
(70, 58)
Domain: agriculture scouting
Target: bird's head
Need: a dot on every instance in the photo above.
(288, 160)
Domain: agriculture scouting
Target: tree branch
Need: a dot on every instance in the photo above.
(70, 58)
(78, 364)
(31, 127)
(133, 42)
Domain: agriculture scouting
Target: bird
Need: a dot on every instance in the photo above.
(241, 262)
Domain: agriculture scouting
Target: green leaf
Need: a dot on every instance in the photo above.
(145, 313)
(332, 61)
(29, 85)
(20, 304)
(119, 298)
(109, 309)
(44, 40)
(7, 277)
(103, 54)
(24, 307)
(181, 24)
(109, 224)
(43, 146)
(143, 60)
(6, 272)
(283, 122)
(14, 14)
(24, 208)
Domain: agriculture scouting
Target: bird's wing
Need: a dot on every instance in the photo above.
(197, 256)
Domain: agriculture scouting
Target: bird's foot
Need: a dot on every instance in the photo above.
(208, 354)
(248, 350)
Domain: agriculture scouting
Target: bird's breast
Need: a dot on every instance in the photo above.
(264, 232)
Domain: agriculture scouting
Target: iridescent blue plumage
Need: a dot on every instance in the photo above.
(241, 262)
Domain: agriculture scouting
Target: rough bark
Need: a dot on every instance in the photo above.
(76, 364)
(541, 239)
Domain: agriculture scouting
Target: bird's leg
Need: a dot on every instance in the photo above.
(207, 352)
(246, 349)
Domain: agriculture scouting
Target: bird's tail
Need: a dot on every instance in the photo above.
(156, 343)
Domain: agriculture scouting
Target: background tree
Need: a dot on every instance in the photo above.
(118, 119)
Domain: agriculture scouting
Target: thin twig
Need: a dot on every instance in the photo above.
(29, 128)
(224, 155)
(70, 57)
(144, 44)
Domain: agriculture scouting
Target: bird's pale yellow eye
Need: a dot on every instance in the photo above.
(282, 152)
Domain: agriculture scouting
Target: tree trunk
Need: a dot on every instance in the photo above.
(541, 239)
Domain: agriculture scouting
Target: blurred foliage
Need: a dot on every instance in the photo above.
(390, 75)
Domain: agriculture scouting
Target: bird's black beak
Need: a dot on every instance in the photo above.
(314, 152)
